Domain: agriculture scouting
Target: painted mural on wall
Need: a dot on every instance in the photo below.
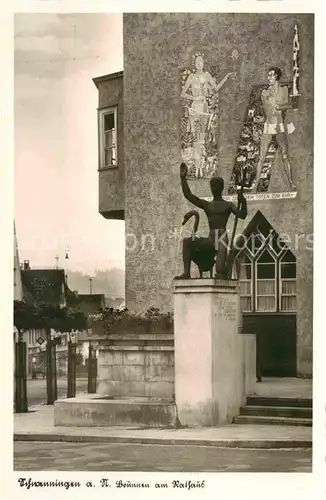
(257, 148)
(265, 129)
(200, 117)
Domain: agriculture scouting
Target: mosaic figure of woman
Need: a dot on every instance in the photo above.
(198, 88)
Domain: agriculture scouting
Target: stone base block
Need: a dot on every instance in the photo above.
(94, 412)
(135, 389)
(202, 414)
(210, 373)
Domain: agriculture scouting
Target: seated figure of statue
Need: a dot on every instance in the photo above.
(217, 211)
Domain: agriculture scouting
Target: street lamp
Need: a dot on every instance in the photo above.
(66, 252)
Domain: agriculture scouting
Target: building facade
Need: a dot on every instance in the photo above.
(18, 286)
(197, 88)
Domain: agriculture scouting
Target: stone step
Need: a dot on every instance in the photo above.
(276, 411)
(276, 401)
(259, 420)
(91, 411)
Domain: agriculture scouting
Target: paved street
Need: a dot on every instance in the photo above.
(153, 458)
(36, 389)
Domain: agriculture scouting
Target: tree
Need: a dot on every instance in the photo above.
(25, 317)
(59, 319)
(48, 317)
(63, 320)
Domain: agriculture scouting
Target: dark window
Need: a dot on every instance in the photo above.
(108, 121)
(108, 138)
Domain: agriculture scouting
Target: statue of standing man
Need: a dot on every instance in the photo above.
(218, 212)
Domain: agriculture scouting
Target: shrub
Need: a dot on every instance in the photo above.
(111, 320)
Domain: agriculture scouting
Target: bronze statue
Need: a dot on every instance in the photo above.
(218, 211)
(202, 252)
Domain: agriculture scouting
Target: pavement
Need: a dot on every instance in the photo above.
(38, 425)
(36, 389)
(108, 457)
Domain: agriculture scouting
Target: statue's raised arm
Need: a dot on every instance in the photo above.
(186, 189)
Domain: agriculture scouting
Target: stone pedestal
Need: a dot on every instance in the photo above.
(210, 379)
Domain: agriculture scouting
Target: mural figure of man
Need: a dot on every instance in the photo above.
(275, 102)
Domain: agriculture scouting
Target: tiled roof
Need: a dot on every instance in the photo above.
(71, 297)
(44, 285)
(27, 296)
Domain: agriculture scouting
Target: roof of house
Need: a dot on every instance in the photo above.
(114, 301)
(27, 296)
(90, 302)
(105, 78)
(43, 285)
(71, 297)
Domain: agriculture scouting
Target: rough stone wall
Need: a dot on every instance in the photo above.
(137, 373)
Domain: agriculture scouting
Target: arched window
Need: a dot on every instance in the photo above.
(266, 269)
(255, 243)
(288, 284)
(245, 281)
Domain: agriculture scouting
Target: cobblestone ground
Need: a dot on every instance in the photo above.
(38, 456)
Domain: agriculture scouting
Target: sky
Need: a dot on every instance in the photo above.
(56, 152)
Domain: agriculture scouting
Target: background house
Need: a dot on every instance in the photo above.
(44, 286)
(49, 286)
(88, 304)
